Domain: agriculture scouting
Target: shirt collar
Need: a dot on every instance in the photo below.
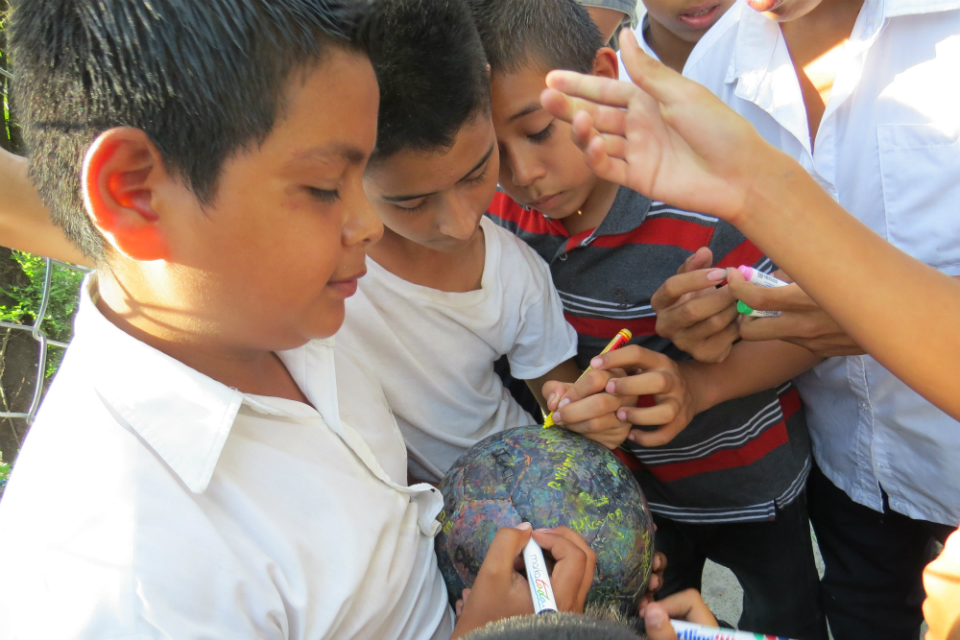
(758, 36)
(628, 211)
(180, 413)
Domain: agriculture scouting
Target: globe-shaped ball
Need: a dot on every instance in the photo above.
(548, 477)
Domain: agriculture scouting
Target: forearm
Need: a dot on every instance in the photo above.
(24, 222)
(567, 371)
(750, 368)
(899, 310)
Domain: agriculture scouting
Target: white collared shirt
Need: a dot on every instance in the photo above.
(150, 501)
(888, 150)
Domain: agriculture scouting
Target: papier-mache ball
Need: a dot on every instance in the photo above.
(549, 478)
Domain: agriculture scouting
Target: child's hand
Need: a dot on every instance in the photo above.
(500, 591)
(585, 408)
(802, 321)
(656, 578)
(687, 606)
(696, 316)
(651, 374)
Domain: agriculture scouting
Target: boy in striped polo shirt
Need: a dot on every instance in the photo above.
(731, 485)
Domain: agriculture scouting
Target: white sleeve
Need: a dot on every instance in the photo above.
(544, 337)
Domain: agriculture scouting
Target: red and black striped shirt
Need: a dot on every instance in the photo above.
(736, 462)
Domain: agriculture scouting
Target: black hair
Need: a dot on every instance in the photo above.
(432, 73)
(553, 34)
(562, 626)
(202, 78)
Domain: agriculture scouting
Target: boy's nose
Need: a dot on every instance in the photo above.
(363, 225)
(460, 222)
(525, 171)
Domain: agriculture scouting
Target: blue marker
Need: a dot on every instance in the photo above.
(691, 631)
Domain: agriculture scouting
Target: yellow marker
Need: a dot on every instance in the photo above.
(618, 341)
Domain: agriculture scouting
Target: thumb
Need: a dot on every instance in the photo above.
(702, 259)
(658, 623)
(506, 546)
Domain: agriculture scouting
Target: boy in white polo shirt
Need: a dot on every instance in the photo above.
(205, 465)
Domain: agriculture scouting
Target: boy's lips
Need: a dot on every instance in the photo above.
(764, 5)
(702, 16)
(546, 203)
(347, 286)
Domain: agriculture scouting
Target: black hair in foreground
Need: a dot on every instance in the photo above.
(202, 78)
(432, 74)
(552, 34)
(594, 625)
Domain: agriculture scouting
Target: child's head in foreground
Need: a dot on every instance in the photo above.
(434, 171)
(540, 166)
(208, 154)
(561, 626)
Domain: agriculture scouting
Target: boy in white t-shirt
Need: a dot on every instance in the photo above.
(205, 465)
(447, 295)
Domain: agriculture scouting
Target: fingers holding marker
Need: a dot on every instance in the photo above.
(575, 566)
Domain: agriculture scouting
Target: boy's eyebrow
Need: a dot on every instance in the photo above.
(530, 108)
(403, 198)
(351, 154)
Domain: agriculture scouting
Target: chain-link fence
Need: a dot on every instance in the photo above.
(44, 343)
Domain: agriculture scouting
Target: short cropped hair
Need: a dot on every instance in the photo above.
(553, 34)
(560, 626)
(432, 73)
(202, 78)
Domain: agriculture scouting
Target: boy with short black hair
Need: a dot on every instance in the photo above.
(238, 476)
(729, 486)
(447, 292)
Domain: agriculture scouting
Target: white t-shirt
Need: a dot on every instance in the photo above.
(151, 501)
(434, 350)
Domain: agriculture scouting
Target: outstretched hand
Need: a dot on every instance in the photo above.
(662, 135)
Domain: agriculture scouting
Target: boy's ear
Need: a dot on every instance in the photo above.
(606, 64)
(121, 171)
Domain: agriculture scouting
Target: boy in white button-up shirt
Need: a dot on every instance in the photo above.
(205, 465)
(862, 94)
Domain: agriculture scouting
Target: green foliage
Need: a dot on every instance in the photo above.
(4, 472)
(61, 307)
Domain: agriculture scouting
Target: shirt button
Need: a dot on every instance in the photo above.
(563, 256)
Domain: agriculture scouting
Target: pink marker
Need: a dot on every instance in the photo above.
(760, 278)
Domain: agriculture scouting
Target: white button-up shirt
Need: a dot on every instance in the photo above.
(888, 150)
(151, 501)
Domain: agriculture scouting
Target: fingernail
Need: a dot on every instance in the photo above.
(459, 608)
(524, 526)
(552, 396)
(622, 415)
(556, 417)
(611, 387)
(717, 275)
(632, 438)
(596, 363)
(563, 403)
(655, 618)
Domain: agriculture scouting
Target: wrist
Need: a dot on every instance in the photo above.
(700, 391)
(771, 186)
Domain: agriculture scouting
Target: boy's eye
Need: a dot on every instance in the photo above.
(415, 207)
(480, 177)
(324, 195)
(543, 135)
